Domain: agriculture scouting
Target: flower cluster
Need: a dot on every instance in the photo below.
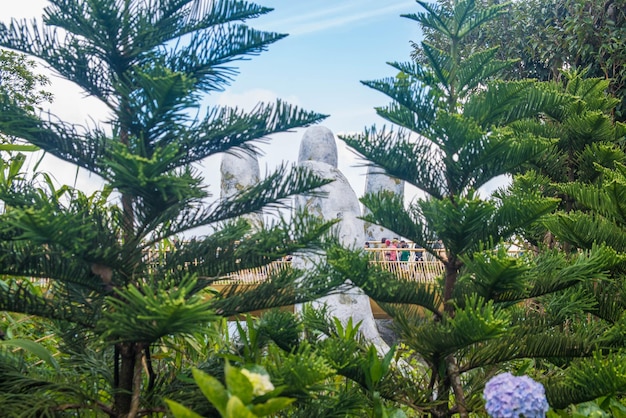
(261, 383)
(509, 396)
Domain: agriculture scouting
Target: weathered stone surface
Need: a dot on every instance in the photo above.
(387, 331)
(240, 171)
(340, 203)
(318, 153)
(318, 144)
(377, 181)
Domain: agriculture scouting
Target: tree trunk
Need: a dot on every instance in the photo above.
(128, 352)
(454, 377)
(125, 378)
(452, 266)
(441, 409)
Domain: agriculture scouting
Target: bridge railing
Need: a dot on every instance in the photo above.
(418, 271)
(420, 266)
(416, 264)
(254, 275)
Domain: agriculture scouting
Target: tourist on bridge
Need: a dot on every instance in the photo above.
(406, 254)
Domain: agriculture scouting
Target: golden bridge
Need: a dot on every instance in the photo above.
(420, 266)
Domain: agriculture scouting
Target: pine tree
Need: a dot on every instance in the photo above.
(585, 134)
(596, 306)
(150, 63)
(460, 128)
(586, 171)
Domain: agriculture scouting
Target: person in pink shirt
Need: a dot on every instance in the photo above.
(393, 254)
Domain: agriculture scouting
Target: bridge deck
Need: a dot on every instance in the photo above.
(424, 270)
(420, 267)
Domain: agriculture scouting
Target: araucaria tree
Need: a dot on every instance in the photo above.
(546, 36)
(150, 63)
(459, 129)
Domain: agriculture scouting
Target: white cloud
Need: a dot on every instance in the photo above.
(22, 9)
(299, 19)
(281, 146)
(72, 105)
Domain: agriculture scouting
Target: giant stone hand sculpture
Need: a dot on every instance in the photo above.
(377, 181)
(318, 153)
(239, 171)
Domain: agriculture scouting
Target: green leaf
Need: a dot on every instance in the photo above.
(18, 147)
(181, 411)
(212, 389)
(271, 406)
(238, 384)
(236, 409)
(147, 314)
(34, 348)
(396, 413)
(374, 367)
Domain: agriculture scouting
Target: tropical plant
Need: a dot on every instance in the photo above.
(116, 307)
(248, 393)
(309, 364)
(548, 36)
(598, 305)
(459, 129)
(586, 135)
(585, 129)
(18, 80)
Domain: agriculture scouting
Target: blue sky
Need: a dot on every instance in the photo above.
(331, 46)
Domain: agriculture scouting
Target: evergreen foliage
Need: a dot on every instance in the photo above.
(459, 128)
(118, 303)
(546, 37)
(325, 370)
(597, 219)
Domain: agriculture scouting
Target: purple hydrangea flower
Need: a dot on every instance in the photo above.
(509, 396)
